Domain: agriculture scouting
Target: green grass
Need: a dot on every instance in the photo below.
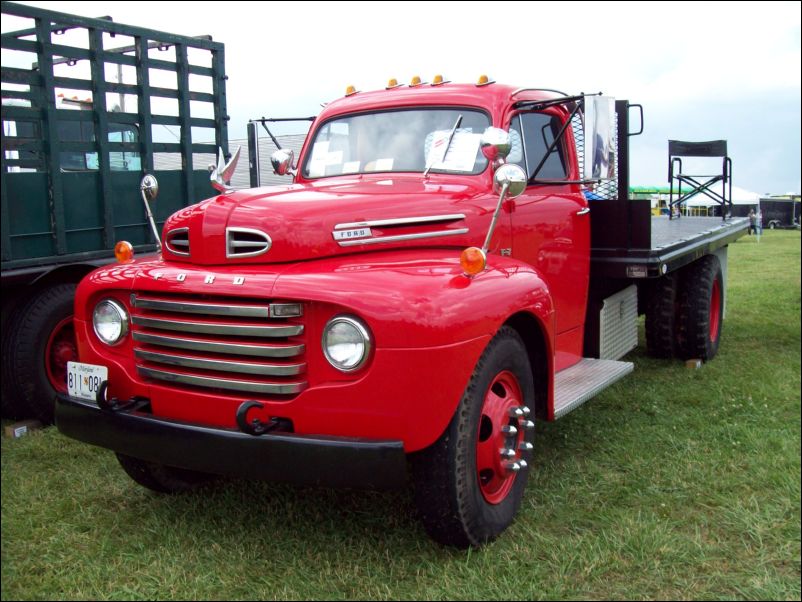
(675, 483)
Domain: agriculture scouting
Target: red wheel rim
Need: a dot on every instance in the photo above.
(502, 396)
(61, 348)
(715, 310)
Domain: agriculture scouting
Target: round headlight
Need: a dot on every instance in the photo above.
(110, 321)
(346, 343)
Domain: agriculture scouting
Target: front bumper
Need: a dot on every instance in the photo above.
(289, 457)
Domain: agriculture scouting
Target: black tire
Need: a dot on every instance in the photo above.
(701, 309)
(160, 478)
(450, 498)
(661, 317)
(28, 350)
(10, 405)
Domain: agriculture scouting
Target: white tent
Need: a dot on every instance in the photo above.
(740, 196)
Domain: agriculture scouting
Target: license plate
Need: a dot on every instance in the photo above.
(84, 380)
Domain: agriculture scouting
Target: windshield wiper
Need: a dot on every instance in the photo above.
(448, 145)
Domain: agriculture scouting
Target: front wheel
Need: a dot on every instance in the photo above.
(469, 483)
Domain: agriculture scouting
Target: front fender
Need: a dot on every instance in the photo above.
(433, 321)
(415, 299)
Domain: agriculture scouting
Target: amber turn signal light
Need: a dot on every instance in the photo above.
(124, 251)
(473, 260)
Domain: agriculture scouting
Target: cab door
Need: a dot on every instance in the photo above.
(551, 223)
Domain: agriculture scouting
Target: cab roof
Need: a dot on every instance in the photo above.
(490, 97)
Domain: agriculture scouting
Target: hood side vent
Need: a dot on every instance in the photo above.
(246, 242)
(177, 241)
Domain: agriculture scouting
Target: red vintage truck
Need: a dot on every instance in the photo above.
(444, 269)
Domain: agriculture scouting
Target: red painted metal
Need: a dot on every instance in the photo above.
(60, 349)
(503, 395)
(429, 322)
(715, 310)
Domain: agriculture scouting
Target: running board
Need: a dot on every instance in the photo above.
(575, 385)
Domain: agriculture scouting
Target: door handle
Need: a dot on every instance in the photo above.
(584, 211)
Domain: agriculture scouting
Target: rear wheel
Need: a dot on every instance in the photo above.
(701, 309)
(160, 478)
(661, 322)
(40, 342)
(469, 483)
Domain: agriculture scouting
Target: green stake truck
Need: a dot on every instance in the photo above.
(88, 107)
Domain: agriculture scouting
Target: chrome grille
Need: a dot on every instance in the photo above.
(226, 344)
(246, 242)
(177, 241)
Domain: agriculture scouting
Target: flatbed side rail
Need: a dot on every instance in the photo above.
(674, 246)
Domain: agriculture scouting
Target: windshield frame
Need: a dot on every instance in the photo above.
(309, 145)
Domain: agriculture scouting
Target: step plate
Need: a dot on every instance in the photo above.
(575, 385)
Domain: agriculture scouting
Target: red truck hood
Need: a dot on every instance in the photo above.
(340, 215)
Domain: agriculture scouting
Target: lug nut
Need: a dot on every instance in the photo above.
(528, 425)
(512, 466)
(523, 464)
(509, 430)
(526, 446)
(516, 412)
(507, 453)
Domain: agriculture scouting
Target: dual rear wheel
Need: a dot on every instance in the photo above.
(685, 312)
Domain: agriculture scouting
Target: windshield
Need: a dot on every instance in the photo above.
(400, 140)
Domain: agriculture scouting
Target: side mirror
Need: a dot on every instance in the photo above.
(511, 176)
(149, 187)
(495, 144)
(282, 160)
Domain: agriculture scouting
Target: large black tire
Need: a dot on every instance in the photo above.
(661, 317)
(39, 342)
(701, 309)
(160, 478)
(460, 503)
(10, 405)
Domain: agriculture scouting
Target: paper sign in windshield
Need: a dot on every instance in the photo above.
(461, 153)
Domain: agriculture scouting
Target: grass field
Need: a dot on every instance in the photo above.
(675, 483)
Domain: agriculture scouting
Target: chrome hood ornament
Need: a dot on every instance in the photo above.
(221, 173)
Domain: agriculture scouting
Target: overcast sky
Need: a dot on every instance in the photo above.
(703, 71)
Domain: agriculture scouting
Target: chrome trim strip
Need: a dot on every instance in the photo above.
(242, 311)
(375, 241)
(240, 330)
(402, 221)
(220, 383)
(232, 245)
(220, 365)
(169, 243)
(215, 347)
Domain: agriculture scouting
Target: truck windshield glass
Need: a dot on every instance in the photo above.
(396, 141)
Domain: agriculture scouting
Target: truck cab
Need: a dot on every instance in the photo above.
(418, 294)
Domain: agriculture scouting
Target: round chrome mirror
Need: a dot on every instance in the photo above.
(281, 160)
(495, 144)
(513, 176)
(149, 187)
